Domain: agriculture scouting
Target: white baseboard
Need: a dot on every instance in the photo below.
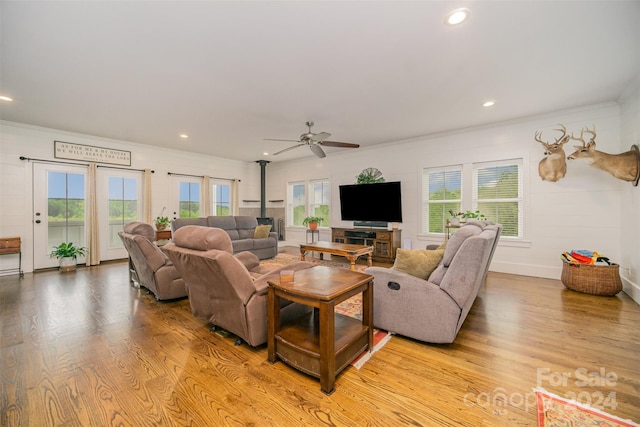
(631, 289)
(526, 269)
(628, 287)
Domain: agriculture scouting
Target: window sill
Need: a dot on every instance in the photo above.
(504, 241)
(515, 243)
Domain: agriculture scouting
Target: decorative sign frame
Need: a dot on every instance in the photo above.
(72, 151)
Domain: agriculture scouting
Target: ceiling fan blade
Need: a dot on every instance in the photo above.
(286, 140)
(320, 136)
(287, 149)
(338, 144)
(317, 150)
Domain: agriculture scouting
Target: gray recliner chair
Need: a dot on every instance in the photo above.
(434, 310)
(152, 267)
(230, 291)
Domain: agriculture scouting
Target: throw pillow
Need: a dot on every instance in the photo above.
(262, 231)
(417, 262)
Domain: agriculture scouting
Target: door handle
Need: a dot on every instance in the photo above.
(38, 221)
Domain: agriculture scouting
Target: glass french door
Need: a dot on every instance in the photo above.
(185, 198)
(220, 198)
(59, 202)
(119, 202)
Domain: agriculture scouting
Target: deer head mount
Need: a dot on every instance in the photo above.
(624, 166)
(553, 166)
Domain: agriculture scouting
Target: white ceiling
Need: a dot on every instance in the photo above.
(232, 73)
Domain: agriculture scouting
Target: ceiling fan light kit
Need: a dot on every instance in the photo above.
(314, 141)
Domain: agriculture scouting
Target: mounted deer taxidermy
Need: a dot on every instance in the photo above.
(553, 166)
(624, 166)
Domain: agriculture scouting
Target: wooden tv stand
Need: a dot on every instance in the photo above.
(384, 242)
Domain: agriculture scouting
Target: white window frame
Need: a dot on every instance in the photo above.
(426, 202)
(309, 200)
(312, 203)
(469, 195)
(290, 202)
(520, 199)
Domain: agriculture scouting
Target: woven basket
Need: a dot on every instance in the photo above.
(592, 279)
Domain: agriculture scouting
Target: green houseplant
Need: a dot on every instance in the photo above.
(67, 255)
(312, 222)
(162, 222)
(473, 215)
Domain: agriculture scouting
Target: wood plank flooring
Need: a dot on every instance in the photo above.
(88, 349)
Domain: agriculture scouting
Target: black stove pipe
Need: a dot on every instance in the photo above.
(263, 187)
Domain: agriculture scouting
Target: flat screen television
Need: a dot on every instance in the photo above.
(380, 202)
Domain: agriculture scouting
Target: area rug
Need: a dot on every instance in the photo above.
(351, 307)
(284, 259)
(555, 411)
(380, 338)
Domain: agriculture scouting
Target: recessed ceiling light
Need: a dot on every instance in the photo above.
(184, 136)
(489, 103)
(5, 98)
(265, 154)
(457, 16)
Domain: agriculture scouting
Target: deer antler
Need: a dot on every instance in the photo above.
(581, 137)
(538, 136)
(564, 132)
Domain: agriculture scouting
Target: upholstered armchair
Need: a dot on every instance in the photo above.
(433, 308)
(152, 267)
(230, 291)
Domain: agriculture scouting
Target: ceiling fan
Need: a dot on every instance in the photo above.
(314, 141)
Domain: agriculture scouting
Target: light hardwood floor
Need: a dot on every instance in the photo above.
(88, 349)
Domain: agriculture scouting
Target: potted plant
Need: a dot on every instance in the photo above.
(312, 222)
(162, 222)
(67, 255)
(473, 215)
(455, 217)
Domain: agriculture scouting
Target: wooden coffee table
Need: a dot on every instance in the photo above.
(321, 343)
(349, 251)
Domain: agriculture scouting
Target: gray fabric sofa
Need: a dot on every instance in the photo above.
(434, 310)
(241, 231)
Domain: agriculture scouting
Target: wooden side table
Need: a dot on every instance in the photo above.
(448, 229)
(321, 343)
(163, 236)
(9, 246)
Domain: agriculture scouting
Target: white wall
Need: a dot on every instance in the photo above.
(16, 215)
(587, 209)
(630, 209)
(581, 211)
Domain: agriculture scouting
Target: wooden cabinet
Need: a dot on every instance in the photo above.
(384, 242)
(12, 246)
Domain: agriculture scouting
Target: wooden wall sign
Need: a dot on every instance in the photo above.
(71, 151)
